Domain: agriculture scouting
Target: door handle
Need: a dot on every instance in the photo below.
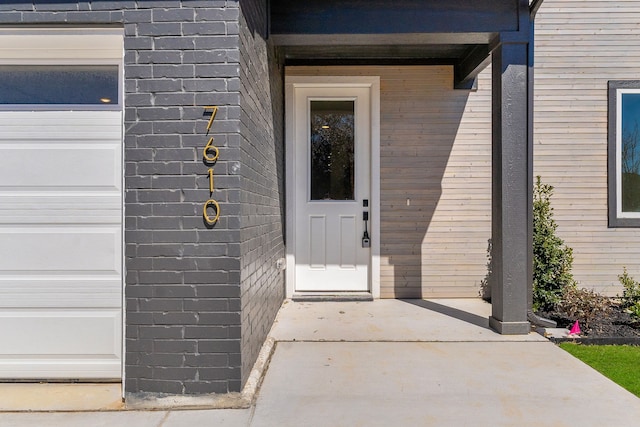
(366, 240)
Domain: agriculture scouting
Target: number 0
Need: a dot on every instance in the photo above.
(206, 216)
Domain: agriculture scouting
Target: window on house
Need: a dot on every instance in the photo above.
(624, 153)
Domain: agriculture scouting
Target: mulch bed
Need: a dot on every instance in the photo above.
(618, 327)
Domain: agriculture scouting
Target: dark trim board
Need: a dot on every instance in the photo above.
(467, 69)
(612, 184)
(363, 61)
(386, 17)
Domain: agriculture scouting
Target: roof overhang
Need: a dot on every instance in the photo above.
(404, 31)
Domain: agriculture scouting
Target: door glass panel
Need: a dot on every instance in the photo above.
(332, 150)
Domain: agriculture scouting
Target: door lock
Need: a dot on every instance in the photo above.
(366, 240)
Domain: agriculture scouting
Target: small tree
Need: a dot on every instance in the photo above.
(631, 294)
(485, 283)
(552, 259)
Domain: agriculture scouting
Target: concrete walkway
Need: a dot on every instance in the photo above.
(399, 363)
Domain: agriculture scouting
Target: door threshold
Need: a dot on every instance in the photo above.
(331, 297)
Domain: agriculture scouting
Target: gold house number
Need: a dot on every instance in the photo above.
(210, 155)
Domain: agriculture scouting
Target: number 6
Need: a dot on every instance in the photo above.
(205, 152)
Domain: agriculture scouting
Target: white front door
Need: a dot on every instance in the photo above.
(330, 140)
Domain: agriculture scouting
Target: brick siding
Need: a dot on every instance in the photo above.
(183, 300)
(262, 172)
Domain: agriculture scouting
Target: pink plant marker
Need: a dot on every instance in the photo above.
(575, 329)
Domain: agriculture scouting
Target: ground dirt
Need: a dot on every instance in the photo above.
(616, 324)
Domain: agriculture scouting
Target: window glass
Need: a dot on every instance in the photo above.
(630, 153)
(332, 150)
(59, 84)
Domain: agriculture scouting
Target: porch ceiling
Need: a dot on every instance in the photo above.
(405, 31)
(468, 53)
(447, 48)
(392, 17)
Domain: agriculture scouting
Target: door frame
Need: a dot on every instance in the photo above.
(291, 84)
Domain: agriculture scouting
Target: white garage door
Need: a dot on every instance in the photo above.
(60, 204)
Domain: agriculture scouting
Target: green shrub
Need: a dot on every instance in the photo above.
(631, 294)
(552, 259)
(485, 283)
(583, 305)
(634, 310)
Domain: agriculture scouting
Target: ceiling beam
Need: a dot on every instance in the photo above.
(467, 68)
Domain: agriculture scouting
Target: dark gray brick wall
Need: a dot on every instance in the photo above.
(184, 282)
(262, 196)
(183, 298)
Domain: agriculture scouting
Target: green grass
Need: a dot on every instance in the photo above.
(619, 363)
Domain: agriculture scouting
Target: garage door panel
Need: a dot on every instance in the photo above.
(64, 337)
(77, 206)
(43, 290)
(35, 47)
(61, 332)
(54, 217)
(60, 126)
(72, 168)
(62, 249)
(37, 369)
(12, 134)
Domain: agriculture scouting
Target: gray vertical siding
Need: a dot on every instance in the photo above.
(580, 47)
(183, 300)
(262, 172)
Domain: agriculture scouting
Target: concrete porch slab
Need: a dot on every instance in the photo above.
(436, 384)
(413, 363)
(438, 320)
